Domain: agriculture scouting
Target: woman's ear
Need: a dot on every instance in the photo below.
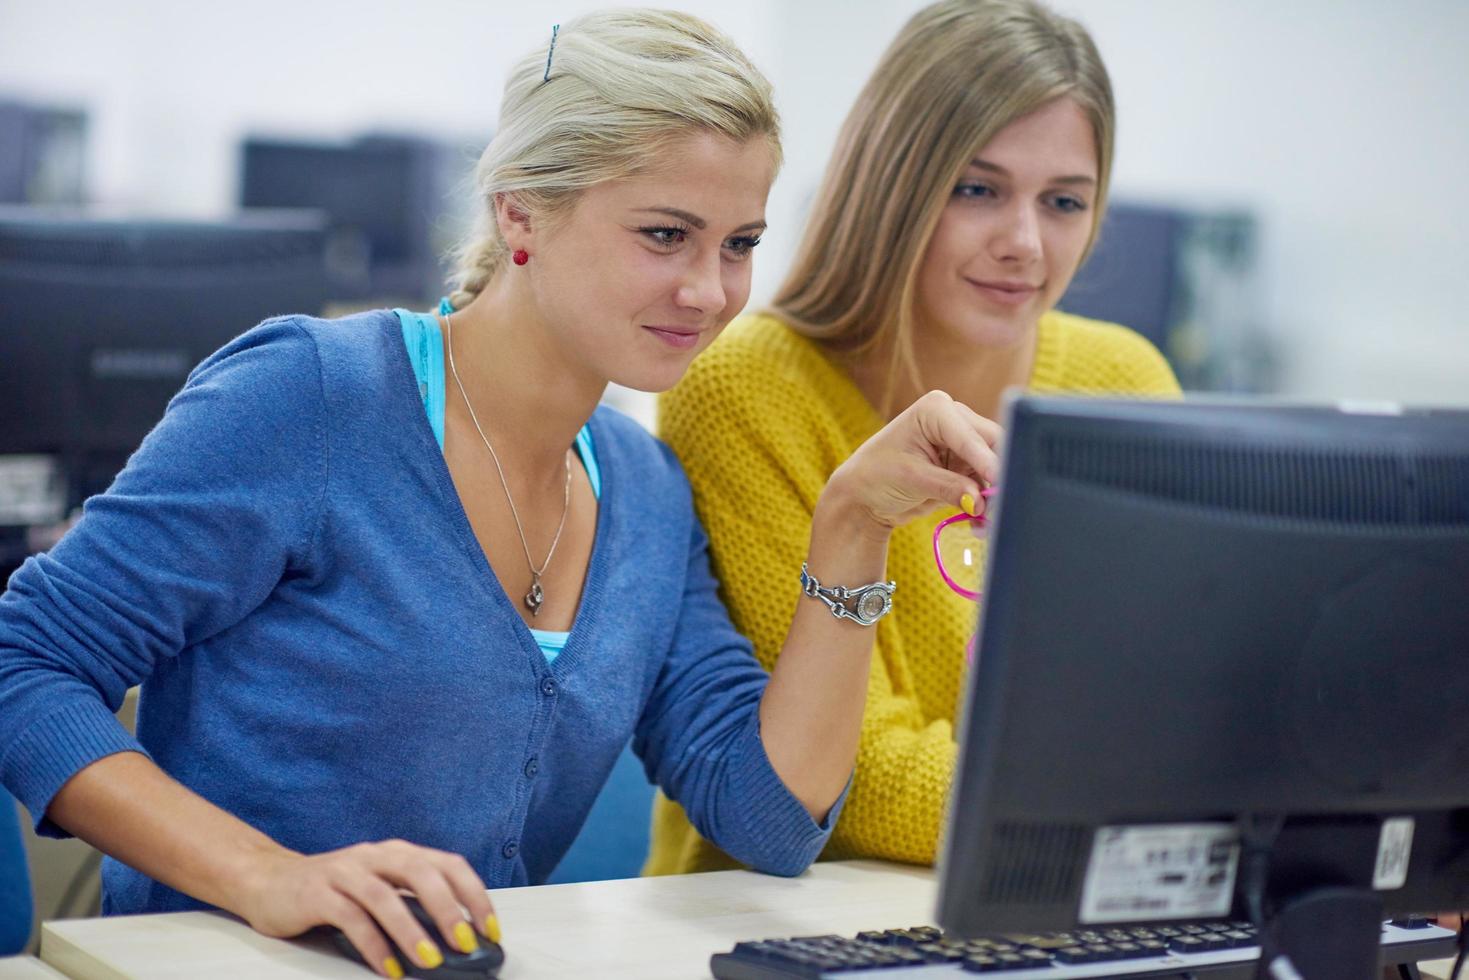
(513, 219)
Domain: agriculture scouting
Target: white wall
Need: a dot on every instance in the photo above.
(1343, 123)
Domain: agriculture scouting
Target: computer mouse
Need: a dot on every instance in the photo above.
(483, 964)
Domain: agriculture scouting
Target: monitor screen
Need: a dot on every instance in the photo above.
(102, 319)
(1215, 638)
(386, 200)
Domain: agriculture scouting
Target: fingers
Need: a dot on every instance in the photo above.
(935, 451)
(383, 902)
(347, 915)
(992, 432)
(968, 436)
(446, 886)
(936, 485)
(367, 879)
(471, 893)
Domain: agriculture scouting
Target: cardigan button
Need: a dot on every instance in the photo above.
(531, 767)
(548, 687)
(510, 849)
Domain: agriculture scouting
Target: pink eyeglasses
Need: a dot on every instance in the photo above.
(954, 550)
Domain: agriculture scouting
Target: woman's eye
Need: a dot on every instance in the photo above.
(1067, 204)
(973, 190)
(666, 237)
(742, 246)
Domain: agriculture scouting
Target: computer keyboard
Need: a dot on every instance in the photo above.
(925, 952)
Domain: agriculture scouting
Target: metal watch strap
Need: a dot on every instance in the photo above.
(863, 605)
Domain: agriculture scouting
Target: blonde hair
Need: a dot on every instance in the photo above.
(957, 73)
(620, 83)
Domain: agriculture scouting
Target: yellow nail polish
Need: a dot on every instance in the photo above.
(464, 936)
(967, 502)
(492, 928)
(428, 954)
(393, 968)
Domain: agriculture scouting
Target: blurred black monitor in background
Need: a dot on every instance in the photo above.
(387, 201)
(1186, 279)
(101, 320)
(42, 154)
(1219, 674)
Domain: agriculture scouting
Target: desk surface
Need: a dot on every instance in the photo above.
(633, 929)
(26, 968)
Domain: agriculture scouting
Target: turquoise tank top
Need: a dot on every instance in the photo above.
(422, 337)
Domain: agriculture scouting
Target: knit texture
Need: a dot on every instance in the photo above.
(285, 567)
(761, 421)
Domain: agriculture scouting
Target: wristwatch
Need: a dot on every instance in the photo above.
(863, 605)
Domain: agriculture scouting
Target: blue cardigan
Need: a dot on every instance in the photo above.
(324, 651)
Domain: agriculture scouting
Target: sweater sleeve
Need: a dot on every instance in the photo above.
(700, 736)
(758, 445)
(222, 497)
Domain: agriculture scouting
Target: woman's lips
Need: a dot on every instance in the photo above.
(679, 339)
(1005, 293)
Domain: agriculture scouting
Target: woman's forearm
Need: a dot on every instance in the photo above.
(129, 808)
(811, 714)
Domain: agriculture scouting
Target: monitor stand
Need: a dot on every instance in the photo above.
(1327, 933)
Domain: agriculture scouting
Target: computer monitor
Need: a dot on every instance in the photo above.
(101, 320)
(388, 203)
(1220, 671)
(1185, 277)
(42, 154)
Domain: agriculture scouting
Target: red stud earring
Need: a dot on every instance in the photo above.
(520, 256)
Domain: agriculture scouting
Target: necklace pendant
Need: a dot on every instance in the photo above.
(535, 596)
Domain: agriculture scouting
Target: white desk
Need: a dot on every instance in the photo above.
(26, 968)
(633, 929)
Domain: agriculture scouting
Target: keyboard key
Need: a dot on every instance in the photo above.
(1050, 940)
(1185, 944)
(1074, 954)
(981, 964)
(934, 953)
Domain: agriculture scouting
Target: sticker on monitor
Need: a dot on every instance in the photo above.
(1160, 871)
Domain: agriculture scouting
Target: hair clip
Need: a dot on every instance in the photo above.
(555, 29)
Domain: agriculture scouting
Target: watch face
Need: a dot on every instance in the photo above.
(872, 605)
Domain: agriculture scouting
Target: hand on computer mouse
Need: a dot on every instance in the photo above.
(481, 963)
(357, 890)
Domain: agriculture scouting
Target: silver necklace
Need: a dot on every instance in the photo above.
(535, 595)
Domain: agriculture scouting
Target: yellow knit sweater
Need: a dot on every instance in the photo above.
(760, 422)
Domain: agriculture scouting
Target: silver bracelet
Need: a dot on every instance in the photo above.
(864, 605)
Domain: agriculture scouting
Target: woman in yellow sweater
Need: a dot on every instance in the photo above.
(967, 186)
